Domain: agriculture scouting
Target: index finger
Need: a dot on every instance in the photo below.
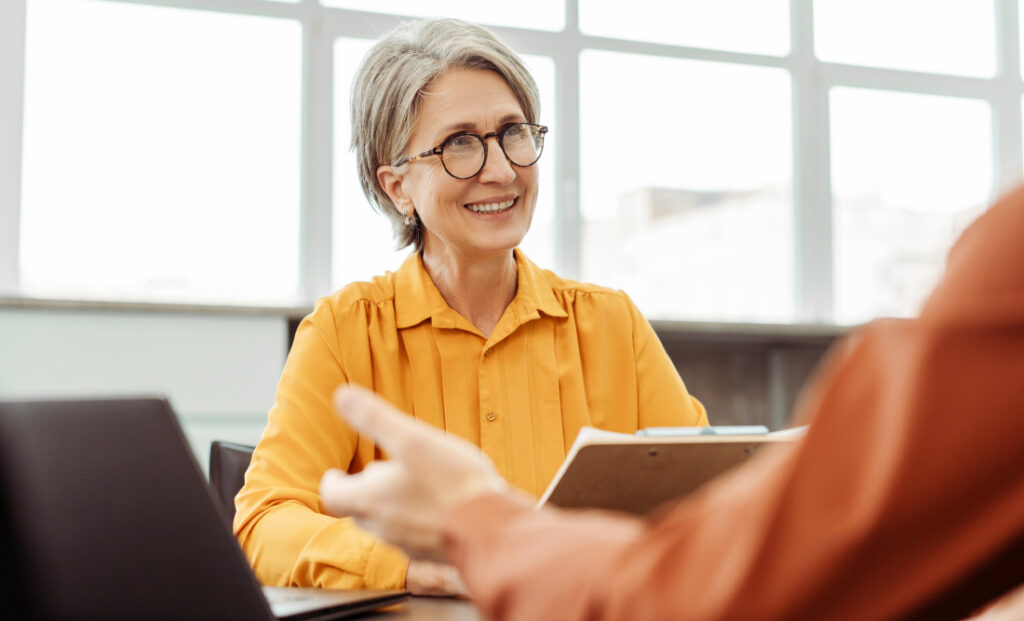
(369, 414)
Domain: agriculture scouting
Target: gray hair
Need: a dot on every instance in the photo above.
(387, 90)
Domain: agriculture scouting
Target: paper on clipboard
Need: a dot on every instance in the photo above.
(636, 473)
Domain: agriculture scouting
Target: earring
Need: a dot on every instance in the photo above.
(410, 219)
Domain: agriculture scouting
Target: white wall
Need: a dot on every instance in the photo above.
(220, 371)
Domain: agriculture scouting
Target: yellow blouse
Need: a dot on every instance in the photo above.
(563, 355)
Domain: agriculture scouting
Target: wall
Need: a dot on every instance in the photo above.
(219, 370)
(746, 374)
(220, 367)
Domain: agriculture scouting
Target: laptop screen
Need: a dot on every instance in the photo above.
(111, 517)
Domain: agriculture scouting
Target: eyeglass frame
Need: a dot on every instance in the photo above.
(499, 134)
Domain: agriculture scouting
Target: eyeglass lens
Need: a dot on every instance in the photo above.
(463, 155)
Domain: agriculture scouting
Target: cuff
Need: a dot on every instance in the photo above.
(386, 567)
(476, 523)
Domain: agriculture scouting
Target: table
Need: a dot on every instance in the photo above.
(429, 609)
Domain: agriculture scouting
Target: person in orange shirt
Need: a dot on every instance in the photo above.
(468, 335)
(905, 500)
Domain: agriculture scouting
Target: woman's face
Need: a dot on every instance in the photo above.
(459, 215)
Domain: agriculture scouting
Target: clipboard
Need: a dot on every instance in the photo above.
(635, 474)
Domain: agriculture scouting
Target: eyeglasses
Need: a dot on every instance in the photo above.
(464, 154)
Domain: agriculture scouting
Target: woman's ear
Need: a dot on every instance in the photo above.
(391, 181)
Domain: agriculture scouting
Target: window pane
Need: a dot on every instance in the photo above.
(363, 244)
(534, 14)
(161, 154)
(908, 173)
(764, 28)
(363, 240)
(686, 185)
(953, 36)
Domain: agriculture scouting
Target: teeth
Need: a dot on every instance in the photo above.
(490, 207)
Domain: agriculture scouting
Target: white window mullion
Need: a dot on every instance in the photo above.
(12, 84)
(1006, 117)
(812, 201)
(266, 8)
(568, 223)
(358, 24)
(315, 236)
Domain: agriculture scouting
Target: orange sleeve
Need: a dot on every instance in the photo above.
(663, 398)
(279, 520)
(906, 498)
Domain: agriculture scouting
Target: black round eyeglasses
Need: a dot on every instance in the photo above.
(464, 155)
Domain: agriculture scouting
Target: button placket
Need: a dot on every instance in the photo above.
(489, 414)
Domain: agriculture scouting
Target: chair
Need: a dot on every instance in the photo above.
(228, 463)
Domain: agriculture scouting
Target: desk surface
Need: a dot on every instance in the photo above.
(429, 609)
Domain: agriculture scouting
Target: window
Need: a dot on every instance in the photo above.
(758, 26)
(542, 14)
(719, 160)
(952, 36)
(909, 172)
(363, 244)
(686, 190)
(161, 156)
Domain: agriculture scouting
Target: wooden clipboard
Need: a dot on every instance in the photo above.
(635, 474)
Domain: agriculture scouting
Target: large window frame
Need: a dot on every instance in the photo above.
(812, 80)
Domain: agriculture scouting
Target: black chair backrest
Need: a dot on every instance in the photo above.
(228, 463)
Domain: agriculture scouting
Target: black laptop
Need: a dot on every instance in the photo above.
(105, 514)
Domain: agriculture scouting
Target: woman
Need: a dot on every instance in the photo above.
(468, 335)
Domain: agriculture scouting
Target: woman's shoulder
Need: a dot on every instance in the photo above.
(567, 287)
(585, 297)
(377, 293)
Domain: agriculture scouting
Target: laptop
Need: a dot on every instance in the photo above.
(105, 514)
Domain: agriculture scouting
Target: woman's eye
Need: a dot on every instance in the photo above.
(461, 142)
(517, 132)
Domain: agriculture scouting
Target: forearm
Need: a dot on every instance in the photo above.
(877, 494)
(520, 563)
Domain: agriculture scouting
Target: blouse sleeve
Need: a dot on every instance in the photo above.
(279, 518)
(663, 398)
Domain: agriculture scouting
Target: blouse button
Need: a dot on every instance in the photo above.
(491, 416)
(488, 351)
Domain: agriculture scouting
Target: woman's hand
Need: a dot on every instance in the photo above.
(426, 578)
(405, 500)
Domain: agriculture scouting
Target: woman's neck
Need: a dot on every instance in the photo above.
(479, 288)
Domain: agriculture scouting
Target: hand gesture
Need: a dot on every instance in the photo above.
(405, 500)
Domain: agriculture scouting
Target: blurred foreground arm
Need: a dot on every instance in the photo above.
(906, 498)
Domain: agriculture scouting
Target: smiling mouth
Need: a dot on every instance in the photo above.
(496, 207)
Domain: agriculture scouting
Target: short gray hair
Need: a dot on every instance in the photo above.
(387, 90)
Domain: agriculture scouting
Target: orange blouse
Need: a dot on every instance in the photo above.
(562, 356)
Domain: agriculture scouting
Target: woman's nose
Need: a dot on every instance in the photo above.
(497, 168)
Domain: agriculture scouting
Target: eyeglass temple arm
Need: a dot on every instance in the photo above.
(428, 152)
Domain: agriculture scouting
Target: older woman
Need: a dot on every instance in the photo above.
(468, 335)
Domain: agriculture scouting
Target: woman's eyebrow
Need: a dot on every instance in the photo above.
(466, 126)
(511, 117)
